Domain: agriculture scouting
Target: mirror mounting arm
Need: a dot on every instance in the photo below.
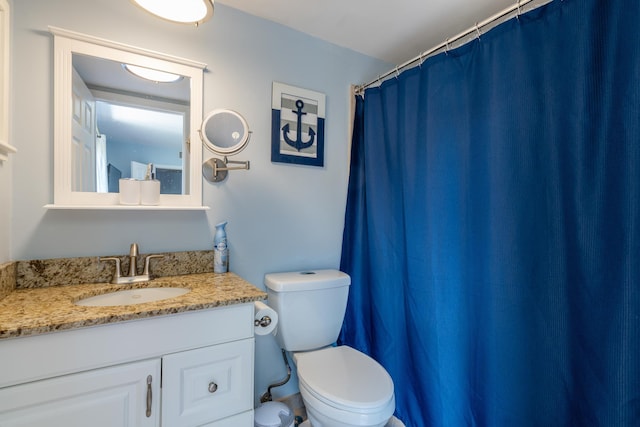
(245, 164)
(216, 170)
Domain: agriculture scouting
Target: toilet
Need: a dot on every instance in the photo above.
(340, 386)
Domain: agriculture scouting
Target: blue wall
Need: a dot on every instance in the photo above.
(281, 217)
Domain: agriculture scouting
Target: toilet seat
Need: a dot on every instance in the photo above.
(345, 379)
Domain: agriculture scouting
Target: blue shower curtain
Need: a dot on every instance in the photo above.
(492, 230)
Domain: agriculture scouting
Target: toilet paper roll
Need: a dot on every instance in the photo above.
(265, 317)
(129, 191)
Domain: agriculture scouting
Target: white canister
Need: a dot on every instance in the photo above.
(129, 191)
(150, 192)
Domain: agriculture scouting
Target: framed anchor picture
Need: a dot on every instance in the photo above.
(297, 125)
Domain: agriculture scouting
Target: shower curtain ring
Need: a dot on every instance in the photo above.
(519, 11)
(446, 46)
(420, 63)
(478, 31)
(397, 73)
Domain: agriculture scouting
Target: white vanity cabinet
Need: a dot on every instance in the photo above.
(190, 369)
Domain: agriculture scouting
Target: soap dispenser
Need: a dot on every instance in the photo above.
(220, 249)
(149, 188)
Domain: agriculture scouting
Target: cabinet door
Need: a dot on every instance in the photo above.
(207, 384)
(109, 397)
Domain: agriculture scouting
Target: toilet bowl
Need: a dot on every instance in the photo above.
(342, 387)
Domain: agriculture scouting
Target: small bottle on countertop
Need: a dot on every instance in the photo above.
(220, 249)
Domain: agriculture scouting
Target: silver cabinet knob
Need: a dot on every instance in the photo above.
(213, 387)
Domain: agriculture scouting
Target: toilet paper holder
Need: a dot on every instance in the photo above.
(263, 322)
(265, 319)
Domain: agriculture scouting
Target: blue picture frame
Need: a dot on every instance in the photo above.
(297, 125)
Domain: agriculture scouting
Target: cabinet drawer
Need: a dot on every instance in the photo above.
(207, 384)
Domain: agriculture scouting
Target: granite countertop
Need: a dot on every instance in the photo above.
(40, 310)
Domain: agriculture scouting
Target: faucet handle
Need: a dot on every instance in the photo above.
(116, 273)
(146, 263)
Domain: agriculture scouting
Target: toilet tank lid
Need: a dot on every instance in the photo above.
(306, 280)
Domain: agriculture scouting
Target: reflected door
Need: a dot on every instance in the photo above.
(83, 154)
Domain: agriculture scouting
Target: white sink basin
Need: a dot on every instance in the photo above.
(132, 296)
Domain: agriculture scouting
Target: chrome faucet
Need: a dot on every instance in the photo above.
(133, 276)
(133, 260)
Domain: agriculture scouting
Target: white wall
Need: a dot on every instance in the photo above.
(281, 217)
(5, 210)
(5, 199)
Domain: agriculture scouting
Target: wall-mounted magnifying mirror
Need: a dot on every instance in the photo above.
(225, 132)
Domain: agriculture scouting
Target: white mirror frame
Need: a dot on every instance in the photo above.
(66, 43)
(5, 71)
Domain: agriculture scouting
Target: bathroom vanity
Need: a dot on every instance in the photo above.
(185, 361)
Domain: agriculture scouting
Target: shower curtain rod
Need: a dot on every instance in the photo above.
(517, 7)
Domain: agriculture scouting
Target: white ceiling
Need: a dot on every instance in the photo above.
(394, 31)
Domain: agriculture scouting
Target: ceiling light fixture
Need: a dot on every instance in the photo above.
(151, 74)
(181, 11)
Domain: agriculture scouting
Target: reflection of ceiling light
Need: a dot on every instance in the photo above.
(181, 11)
(151, 74)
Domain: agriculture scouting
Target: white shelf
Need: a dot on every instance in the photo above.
(127, 208)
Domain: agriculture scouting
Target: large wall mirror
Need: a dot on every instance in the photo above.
(112, 120)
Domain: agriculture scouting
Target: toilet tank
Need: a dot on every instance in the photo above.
(310, 306)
